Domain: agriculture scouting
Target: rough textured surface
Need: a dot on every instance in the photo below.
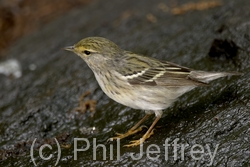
(40, 103)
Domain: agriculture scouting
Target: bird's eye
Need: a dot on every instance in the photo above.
(87, 52)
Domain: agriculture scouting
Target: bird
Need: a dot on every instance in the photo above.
(139, 82)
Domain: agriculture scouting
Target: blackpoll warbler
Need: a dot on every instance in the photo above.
(137, 81)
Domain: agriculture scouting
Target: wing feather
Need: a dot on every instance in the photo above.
(153, 72)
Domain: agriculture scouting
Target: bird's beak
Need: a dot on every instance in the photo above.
(69, 48)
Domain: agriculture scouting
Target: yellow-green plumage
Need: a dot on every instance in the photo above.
(137, 81)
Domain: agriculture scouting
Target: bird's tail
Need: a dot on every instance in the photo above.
(203, 76)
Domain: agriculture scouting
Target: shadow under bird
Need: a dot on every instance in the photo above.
(138, 81)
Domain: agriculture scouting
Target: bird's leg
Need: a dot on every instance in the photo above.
(148, 133)
(133, 130)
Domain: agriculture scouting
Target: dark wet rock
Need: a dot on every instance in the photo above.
(40, 103)
(226, 48)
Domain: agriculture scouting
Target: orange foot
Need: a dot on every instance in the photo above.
(141, 140)
(128, 133)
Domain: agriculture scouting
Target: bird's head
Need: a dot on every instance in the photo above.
(94, 47)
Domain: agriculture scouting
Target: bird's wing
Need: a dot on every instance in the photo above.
(140, 70)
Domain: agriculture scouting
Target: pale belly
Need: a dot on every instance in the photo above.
(150, 98)
(143, 97)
